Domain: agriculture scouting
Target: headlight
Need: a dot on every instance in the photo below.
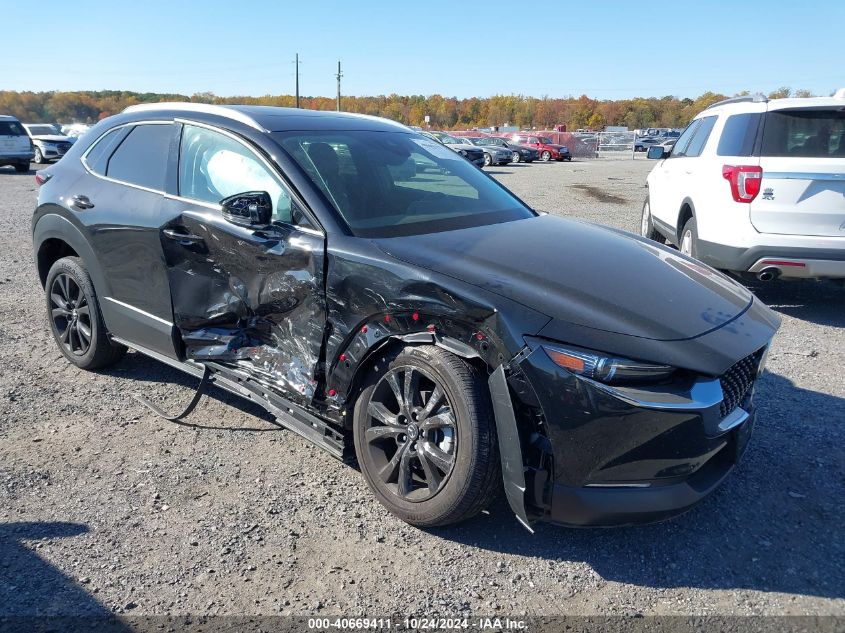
(610, 369)
(462, 152)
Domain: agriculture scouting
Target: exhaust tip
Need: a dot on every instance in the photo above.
(769, 274)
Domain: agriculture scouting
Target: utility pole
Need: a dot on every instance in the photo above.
(339, 75)
(296, 62)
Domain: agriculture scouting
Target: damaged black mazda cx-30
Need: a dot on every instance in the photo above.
(389, 302)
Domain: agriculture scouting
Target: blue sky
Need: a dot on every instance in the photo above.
(605, 49)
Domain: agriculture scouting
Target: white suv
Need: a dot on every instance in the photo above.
(756, 186)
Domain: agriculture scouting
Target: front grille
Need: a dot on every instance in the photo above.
(737, 382)
(64, 146)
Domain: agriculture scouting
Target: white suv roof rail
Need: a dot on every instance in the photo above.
(207, 108)
(758, 98)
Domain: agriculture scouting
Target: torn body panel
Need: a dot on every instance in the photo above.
(250, 299)
(373, 300)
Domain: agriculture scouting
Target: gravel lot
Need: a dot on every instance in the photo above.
(106, 508)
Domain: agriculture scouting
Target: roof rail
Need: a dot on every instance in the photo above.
(206, 108)
(758, 98)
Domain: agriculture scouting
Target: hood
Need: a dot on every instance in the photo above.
(464, 146)
(583, 274)
(53, 138)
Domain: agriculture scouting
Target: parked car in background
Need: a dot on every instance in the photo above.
(49, 143)
(493, 154)
(472, 153)
(545, 148)
(16, 147)
(434, 328)
(642, 144)
(757, 187)
(521, 153)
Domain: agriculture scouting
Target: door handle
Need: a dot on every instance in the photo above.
(81, 202)
(186, 239)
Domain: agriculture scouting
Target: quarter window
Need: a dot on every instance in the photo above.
(99, 154)
(213, 166)
(739, 134)
(141, 159)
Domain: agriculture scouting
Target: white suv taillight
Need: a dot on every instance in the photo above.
(745, 181)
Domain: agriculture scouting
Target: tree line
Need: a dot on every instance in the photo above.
(443, 112)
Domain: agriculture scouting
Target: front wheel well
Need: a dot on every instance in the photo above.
(51, 251)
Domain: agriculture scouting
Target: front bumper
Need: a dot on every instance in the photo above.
(608, 456)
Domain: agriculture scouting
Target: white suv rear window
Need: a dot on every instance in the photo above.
(804, 133)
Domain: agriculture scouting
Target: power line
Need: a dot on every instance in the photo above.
(339, 75)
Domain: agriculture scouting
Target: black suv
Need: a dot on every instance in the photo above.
(390, 302)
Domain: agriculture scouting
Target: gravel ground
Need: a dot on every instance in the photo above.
(106, 508)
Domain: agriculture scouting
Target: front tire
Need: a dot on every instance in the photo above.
(488, 160)
(425, 437)
(545, 156)
(517, 157)
(647, 229)
(75, 318)
(39, 157)
(688, 243)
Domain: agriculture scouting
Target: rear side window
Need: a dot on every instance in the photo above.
(699, 139)
(739, 134)
(99, 154)
(141, 159)
(11, 128)
(810, 133)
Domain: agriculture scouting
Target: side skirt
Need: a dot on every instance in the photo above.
(289, 415)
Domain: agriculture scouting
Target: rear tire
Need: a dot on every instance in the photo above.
(75, 318)
(21, 168)
(647, 229)
(441, 450)
(688, 244)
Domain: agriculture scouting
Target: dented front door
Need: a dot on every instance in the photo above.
(247, 298)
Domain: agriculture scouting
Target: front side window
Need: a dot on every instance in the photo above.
(402, 184)
(141, 159)
(684, 140)
(214, 166)
(804, 133)
(699, 139)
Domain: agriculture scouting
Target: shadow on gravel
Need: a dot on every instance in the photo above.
(30, 586)
(776, 524)
(821, 302)
(139, 369)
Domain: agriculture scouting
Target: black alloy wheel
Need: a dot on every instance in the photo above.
(71, 314)
(411, 433)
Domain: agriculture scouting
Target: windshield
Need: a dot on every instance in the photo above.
(446, 138)
(387, 184)
(41, 129)
(545, 140)
(475, 140)
(492, 140)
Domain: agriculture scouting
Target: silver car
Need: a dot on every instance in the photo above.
(494, 154)
(50, 143)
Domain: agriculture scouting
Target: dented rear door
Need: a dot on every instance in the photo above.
(251, 299)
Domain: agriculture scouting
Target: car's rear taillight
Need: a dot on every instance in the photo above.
(41, 177)
(745, 181)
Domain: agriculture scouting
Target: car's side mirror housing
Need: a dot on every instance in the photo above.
(655, 152)
(252, 209)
